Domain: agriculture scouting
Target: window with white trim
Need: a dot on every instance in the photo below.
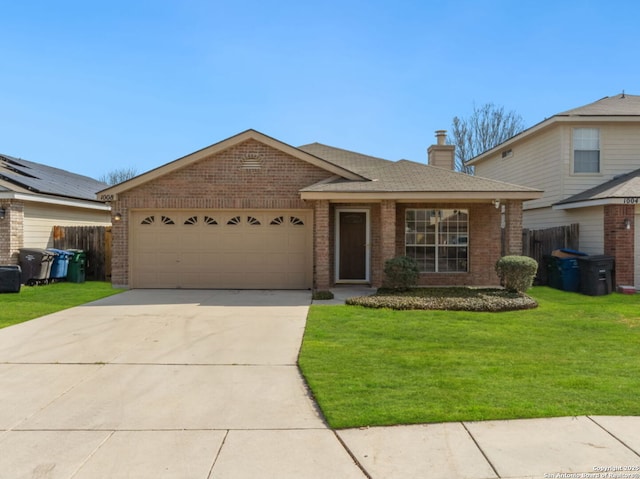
(438, 239)
(586, 150)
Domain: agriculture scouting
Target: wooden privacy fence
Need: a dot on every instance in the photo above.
(540, 243)
(94, 240)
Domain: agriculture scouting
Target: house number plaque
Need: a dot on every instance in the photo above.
(631, 200)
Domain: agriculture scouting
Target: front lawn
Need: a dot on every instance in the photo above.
(573, 355)
(35, 301)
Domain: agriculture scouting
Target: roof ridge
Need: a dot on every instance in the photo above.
(345, 150)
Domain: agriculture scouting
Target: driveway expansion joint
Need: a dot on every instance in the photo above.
(481, 450)
(613, 436)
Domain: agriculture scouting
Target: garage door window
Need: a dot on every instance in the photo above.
(149, 220)
(194, 220)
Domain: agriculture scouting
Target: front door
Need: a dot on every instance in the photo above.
(352, 246)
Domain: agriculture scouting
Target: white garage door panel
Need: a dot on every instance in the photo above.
(221, 249)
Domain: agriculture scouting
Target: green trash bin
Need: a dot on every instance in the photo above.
(76, 272)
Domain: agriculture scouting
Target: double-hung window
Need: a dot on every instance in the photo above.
(438, 239)
(586, 150)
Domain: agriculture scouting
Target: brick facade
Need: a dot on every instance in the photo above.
(11, 231)
(322, 246)
(249, 175)
(513, 228)
(619, 241)
(484, 244)
(252, 175)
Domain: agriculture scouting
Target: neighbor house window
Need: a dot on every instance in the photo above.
(438, 239)
(586, 150)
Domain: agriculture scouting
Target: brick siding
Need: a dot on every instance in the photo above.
(619, 241)
(220, 182)
(11, 232)
(217, 182)
(484, 244)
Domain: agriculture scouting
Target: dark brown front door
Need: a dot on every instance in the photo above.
(353, 246)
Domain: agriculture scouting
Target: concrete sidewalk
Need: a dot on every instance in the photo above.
(204, 384)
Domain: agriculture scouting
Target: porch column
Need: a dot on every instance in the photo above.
(321, 245)
(619, 241)
(387, 239)
(513, 227)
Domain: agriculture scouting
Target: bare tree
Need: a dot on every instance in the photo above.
(488, 126)
(119, 175)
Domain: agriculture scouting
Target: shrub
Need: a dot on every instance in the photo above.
(322, 295)
(400, 273)
(516, 272)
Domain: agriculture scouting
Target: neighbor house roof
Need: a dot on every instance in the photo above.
(622, 107)
(29, 177)
(619, 105)
(610, 192)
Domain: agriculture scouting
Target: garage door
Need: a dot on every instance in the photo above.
(237, 249)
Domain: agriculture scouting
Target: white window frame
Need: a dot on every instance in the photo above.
(437, 215)
(586, 140)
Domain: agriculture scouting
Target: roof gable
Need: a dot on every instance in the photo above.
(111, 192)
(622, 186)
(27, 176)
(621, 107)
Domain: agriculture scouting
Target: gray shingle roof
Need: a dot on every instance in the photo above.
(47, 180)
(400, 176)
(627, 185)
(358, 163)
(619, 105)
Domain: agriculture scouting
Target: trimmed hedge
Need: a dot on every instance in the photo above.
(322, 295)
(400, 273)
(517, 272)
(448, 299)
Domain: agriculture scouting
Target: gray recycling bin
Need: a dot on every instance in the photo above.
(10, 278)
(36, 265)
(596, 275)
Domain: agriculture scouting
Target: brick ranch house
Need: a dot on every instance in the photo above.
(252, 212)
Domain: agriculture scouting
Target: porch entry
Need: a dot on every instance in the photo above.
(352, 246)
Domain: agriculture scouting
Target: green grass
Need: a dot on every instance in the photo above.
(35, 301)
(573, 355)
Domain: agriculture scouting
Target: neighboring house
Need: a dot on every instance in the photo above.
(252, 212)
(587, 161)
(34, 198)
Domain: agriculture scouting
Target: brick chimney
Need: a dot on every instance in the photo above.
(441, 155)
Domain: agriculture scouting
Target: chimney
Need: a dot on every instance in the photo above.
(441, 155)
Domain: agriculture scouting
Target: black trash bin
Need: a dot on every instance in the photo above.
(36, 265)
(563, 271)
(77, 266)
(10, 278)
(596, 275)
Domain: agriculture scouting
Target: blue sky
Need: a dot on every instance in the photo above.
(92, 86)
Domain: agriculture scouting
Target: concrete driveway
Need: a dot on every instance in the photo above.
(204, 385)
(164, 384)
